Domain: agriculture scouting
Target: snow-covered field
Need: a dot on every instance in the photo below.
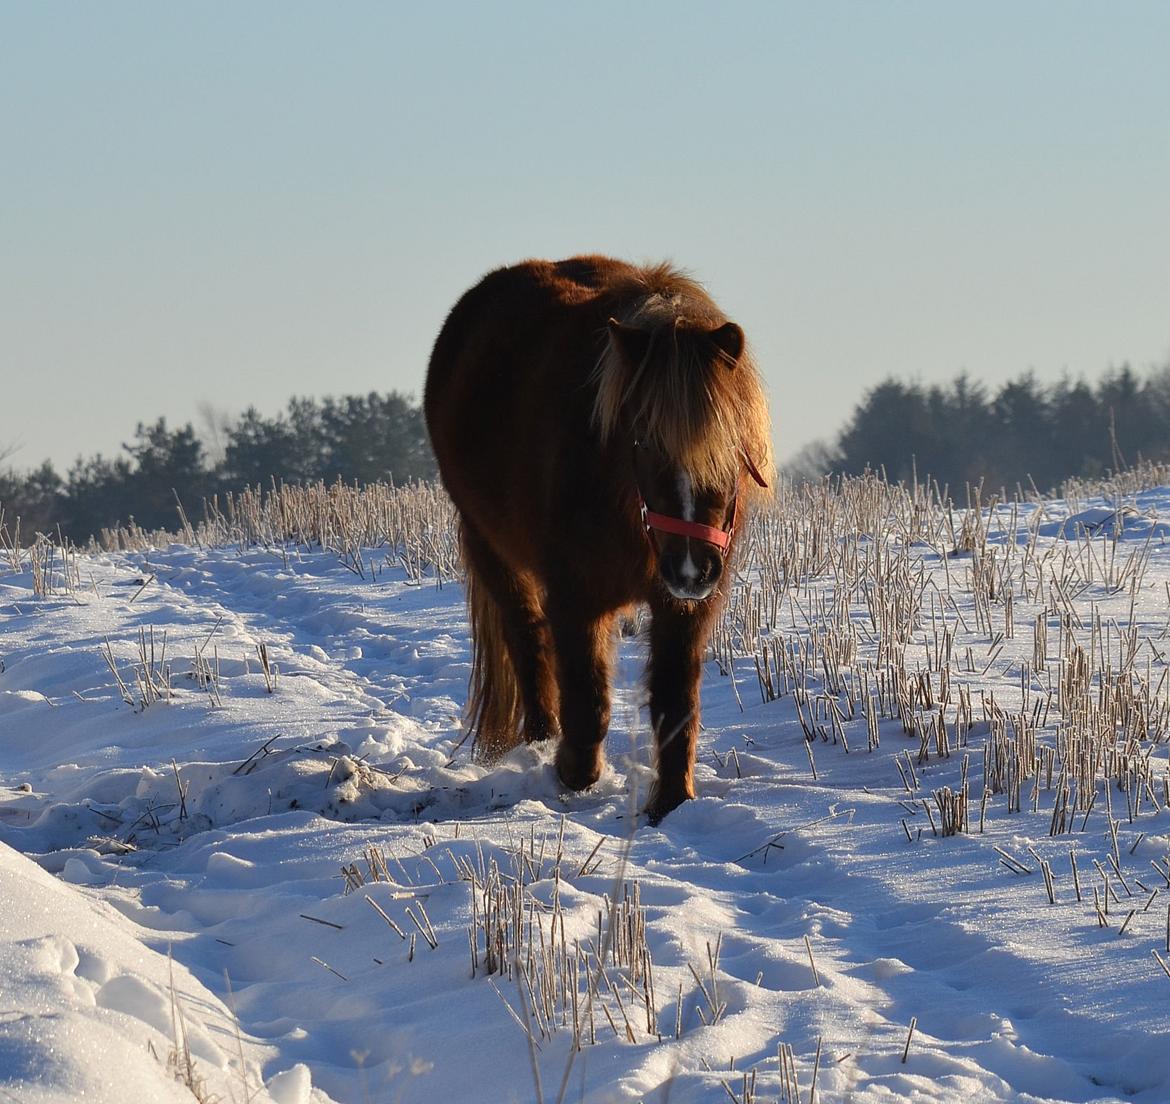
(224, 873)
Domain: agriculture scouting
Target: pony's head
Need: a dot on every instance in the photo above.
(677, 382)
(690, 527)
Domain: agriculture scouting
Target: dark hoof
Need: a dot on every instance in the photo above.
(578, 768)
(537, 734)
(663, 802)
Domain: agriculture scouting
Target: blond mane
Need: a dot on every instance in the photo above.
(702, 409)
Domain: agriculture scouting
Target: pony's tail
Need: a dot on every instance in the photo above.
(494, 705)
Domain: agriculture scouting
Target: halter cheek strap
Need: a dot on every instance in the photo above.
(753, 471)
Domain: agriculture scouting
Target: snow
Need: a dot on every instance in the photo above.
(171, 874)
(1124, 523)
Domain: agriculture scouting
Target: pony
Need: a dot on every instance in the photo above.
(602, 430)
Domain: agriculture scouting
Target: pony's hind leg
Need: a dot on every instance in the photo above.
(513, 686)
(584, 647)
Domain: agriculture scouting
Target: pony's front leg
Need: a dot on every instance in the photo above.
(678, 634)
(584, 647)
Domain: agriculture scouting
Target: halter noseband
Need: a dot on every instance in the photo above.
(721, 538)
(680, 527)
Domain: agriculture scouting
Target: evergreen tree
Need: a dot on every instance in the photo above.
(1022, 433)
(375, 437)
(96, 496)
(1130, 420)
(258, 450)
(31, 499)
(889, 428)
(168, 469)
(1080, 444)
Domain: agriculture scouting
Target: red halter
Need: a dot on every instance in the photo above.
(678, 527)
(721, 538)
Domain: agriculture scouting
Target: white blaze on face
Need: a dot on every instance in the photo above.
(686, 497)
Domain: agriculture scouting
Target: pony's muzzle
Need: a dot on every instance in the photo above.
(690, 569)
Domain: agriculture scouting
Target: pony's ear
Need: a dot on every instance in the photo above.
(632, 344)
(729, 340)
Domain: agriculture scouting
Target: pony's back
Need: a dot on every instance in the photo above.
(508, 393)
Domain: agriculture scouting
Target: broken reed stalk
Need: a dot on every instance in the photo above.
(909, 1036)
(386, 917)
(789, 1082)
(325, 966)
(812, 1092)
(1049, 881)
(812, 963)
(266, 667)
(108, 656)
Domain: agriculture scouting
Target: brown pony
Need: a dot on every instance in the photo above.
(600, 428)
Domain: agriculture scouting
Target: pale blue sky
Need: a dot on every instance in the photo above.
(233, 203)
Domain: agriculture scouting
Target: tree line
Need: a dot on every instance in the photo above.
(363, 438)
(1023, 432)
